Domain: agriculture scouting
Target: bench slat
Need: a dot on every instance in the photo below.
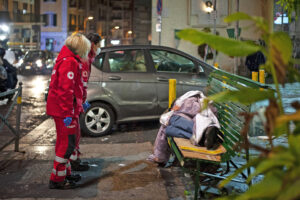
(185, 145)
(230, 119)
(230, 152)
(190, 151)
(230, 131)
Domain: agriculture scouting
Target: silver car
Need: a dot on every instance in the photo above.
(130, 83)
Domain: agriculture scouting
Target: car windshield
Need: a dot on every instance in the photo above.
(33, 55)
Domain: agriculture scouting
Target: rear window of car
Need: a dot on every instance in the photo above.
(127, 61)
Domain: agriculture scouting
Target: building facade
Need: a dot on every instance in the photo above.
(181, 14)
(22, 17)
(64, 17)
(142, 22)
(54, 30)
(124, 21)
(116, 21)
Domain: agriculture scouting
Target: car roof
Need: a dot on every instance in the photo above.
(126, 47)
(134, 47)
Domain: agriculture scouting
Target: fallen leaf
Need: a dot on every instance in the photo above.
(296, 105)
(272, 112)
(244, 132)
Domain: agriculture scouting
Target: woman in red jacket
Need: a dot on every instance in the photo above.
(64, 104)
(95, 39)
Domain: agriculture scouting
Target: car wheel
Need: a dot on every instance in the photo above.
(98, 120)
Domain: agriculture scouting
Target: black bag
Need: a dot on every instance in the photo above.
(212, 138)
(12, 79)
(3, 73)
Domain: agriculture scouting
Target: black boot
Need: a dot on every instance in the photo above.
(64, 185)
(73, 178)
(77, 165)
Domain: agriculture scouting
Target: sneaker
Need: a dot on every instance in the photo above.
(64, 185)
(73, 178)
(79, 166)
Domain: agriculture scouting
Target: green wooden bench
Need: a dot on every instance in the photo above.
(231, 123)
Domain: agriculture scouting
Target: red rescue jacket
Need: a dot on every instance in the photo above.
(86, 72)
(66, 87)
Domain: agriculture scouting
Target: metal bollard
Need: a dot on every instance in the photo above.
(255, 76)
(172, 91)
(18, 119)
(262, 76)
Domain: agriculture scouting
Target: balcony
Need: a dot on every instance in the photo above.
(27, 18)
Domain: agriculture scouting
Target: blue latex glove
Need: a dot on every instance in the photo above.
(68, 121)
(86, 105)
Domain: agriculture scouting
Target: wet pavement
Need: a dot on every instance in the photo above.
(118, 170)
(33, 106)
(290, 93)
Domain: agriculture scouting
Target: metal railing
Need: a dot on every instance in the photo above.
(17, 100)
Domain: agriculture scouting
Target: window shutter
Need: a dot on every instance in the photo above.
(46, 19)
(54, 20)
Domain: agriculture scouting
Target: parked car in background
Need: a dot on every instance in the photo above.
(130, 83)
(36, 61)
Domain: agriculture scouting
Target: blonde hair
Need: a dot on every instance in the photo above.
(79, 45)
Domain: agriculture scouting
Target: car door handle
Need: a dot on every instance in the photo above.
(115, 78)
(163, 79)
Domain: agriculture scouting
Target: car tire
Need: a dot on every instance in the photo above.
(98, 120)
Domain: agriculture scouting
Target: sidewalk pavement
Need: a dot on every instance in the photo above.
(118, 171)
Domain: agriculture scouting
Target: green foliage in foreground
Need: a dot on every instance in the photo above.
(252, 95)
(280, 166)
(230, 47)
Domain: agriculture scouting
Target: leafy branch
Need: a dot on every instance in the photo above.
(290, 6)
(279, 165)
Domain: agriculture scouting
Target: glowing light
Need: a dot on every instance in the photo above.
(90, 18)
(3, 37)
(39, 86)
(39, 63)
(117, 27)
(208, 9)
(4, 27)
(115, 42)
(41, 149)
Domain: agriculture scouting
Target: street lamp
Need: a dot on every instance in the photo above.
(85, 21)
(208, 6)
